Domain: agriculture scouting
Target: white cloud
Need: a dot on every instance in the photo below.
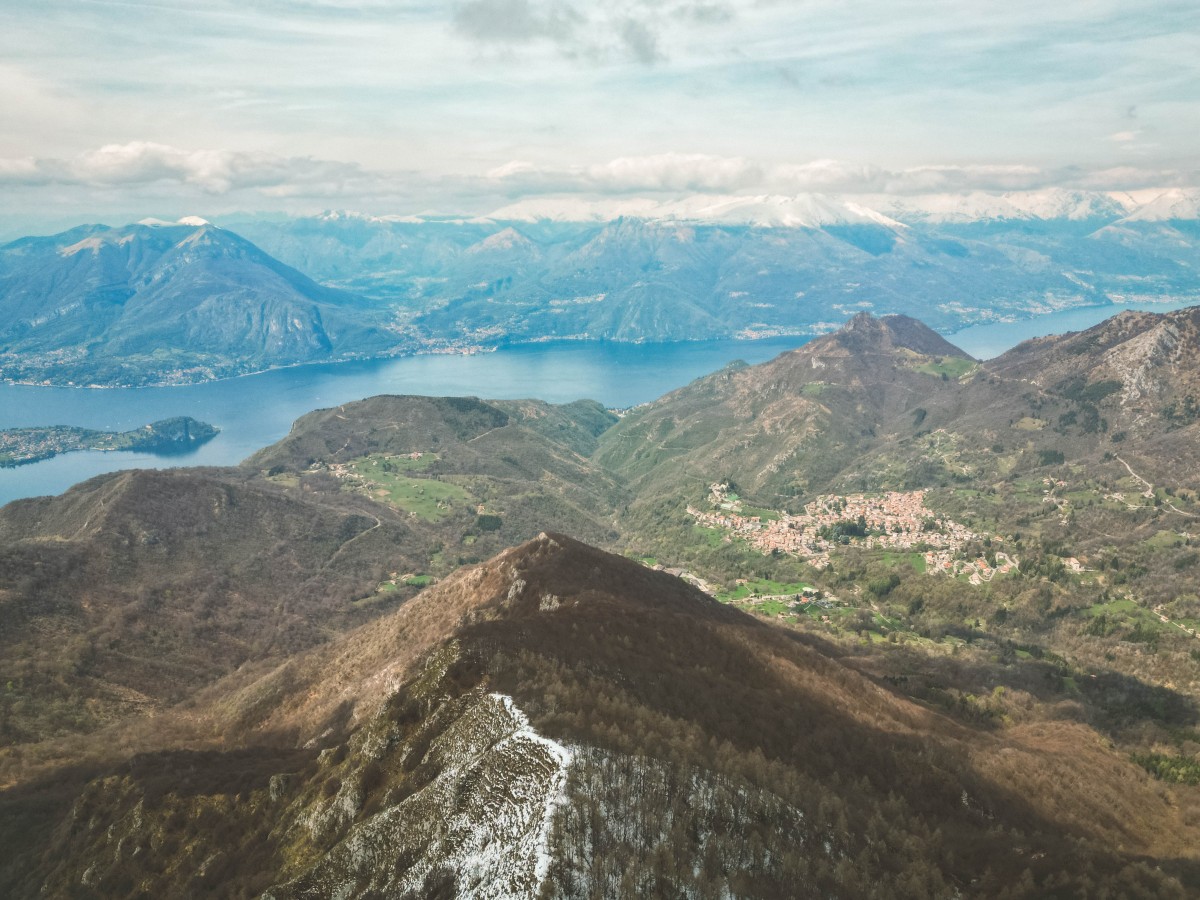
(210, 171)
(135, 179)
(664, 172)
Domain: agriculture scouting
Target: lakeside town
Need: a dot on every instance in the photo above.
(894, 520)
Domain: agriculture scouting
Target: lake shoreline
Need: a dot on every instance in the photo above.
(476, 350)
(254, 411)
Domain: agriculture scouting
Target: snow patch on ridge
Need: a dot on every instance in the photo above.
(487, 817)
(554, 797)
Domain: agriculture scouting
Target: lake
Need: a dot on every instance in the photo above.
(258, 410)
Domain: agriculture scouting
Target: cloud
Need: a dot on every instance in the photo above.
(135, 179)
(664, 172)
(210, 171)
(626, 29)
(640, 41)
(677, 173)
(517, 21)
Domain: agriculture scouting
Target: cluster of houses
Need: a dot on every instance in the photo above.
(346, 470)
(24, 445)
(895, 520)
(977, 571)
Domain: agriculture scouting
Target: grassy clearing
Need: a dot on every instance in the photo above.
(710, 537)
(897, 558)
(950, 366)
(767, 515)
(767, 607)
(885, 623)
(1114, 607)
(423, 497)
(1128, 612)
(1163, 540)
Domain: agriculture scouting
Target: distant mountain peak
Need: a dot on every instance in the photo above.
(193, 221)
(865, 332)
(1009, 206)
(505, 239)
(1172, 205)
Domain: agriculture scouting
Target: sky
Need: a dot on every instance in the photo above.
(117, 109)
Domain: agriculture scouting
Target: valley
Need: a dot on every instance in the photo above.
(850, 595)
(682, 450)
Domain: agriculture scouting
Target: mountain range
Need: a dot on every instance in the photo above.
(166, 304)
(885, 621)
(160, 303)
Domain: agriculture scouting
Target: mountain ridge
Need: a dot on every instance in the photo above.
(179, 303)
(528, 723)
(499, 701)
(165, 303)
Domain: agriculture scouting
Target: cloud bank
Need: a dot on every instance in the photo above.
(699, 173)
(142, 164)
(150, 176)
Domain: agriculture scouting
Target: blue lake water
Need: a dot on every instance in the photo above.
(258, 410)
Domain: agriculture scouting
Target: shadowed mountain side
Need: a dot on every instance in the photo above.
(578, 725)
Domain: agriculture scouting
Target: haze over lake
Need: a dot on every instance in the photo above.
(258, 410)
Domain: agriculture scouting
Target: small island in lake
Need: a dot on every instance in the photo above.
(19, 446)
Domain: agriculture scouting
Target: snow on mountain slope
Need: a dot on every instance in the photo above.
(1052, 203)
(1177, 203)
(486, 817)
(888, 210)
(800, 211)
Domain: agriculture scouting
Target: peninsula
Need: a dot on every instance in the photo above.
(175, 435)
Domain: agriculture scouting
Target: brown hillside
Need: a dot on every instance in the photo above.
(702, 751)
(132, 590)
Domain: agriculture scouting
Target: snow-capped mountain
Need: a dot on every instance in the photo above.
(1172, 205)
(977, 206)
(769, 211)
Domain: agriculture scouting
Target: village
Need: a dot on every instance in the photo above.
(894, 520)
